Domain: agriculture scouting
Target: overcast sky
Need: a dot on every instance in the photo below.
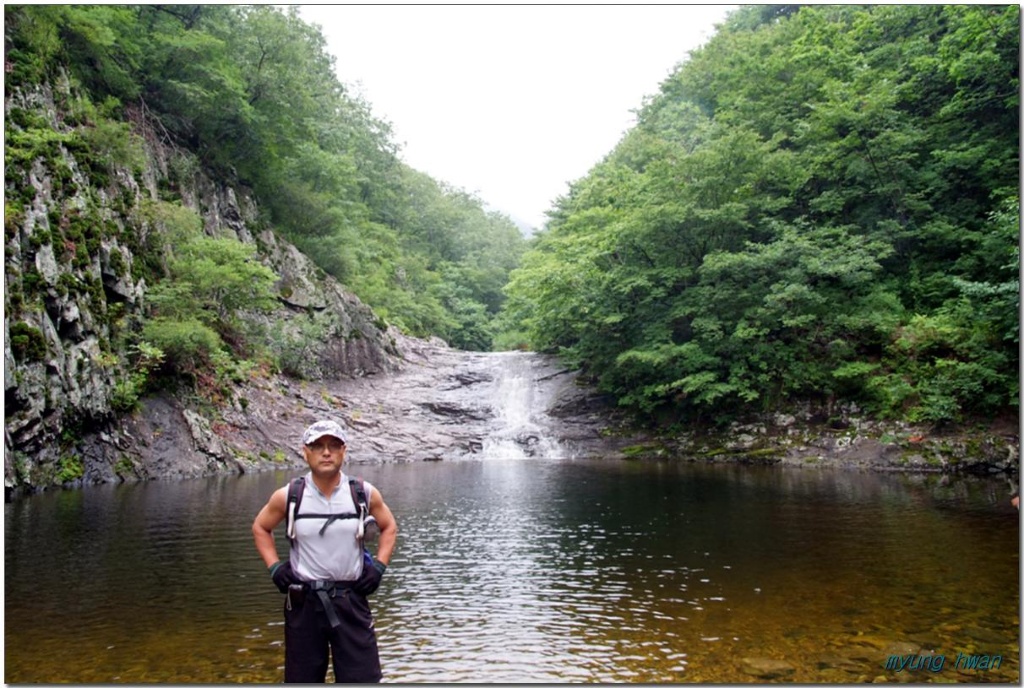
(510, 103)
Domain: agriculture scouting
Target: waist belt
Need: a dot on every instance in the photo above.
(325, 590)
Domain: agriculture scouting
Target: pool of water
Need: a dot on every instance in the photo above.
(538, 570)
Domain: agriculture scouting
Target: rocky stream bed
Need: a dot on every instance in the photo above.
(440, 404)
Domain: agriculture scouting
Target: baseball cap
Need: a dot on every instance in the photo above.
(321, 428)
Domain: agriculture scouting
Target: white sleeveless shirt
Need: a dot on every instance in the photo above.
(335, 554)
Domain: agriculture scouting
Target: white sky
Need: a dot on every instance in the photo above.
(510, 103)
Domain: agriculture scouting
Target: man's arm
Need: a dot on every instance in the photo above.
(388, 527)
(269, 517)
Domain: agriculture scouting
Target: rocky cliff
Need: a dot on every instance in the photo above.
(77, 228)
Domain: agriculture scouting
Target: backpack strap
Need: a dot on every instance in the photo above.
(295, 489)
(358, 488)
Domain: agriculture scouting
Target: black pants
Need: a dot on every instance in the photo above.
(308, 635)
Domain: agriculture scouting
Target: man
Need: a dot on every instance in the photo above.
(327, 576)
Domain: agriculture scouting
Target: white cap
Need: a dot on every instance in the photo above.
(321, 428)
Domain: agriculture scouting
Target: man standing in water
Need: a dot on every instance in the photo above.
(328, 574)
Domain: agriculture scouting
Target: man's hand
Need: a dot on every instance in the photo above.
(281, 572)
(369, 581)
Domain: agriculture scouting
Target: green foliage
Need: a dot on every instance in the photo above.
(188, 344)
(115, 143)
(23, 147)
(174, 220)
(35, 42)
(124, 467)
(145, 358)
(196, 328)
(295, 345)
(250, 93)
(819, 204)
(222, 277)
(28, 344)
(994, 301)
(940, 367)
(69, 469)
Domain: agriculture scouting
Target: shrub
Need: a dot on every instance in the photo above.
(27, 343)
(188, 345)
(70, 468)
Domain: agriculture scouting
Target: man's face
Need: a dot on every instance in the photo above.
(325, 456)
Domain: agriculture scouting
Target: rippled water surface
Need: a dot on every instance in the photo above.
(536, 570)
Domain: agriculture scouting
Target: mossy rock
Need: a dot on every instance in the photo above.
(648, 450)
(28, 344)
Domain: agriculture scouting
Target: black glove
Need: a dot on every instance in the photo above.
(369, 581)
(281, 572)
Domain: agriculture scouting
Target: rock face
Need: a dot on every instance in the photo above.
(851, 440)
(74, 231)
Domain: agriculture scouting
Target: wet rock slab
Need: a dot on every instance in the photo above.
(450, 405)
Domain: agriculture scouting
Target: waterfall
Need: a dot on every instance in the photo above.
(520, 402)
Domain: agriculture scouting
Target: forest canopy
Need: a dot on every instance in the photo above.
(253, 96)
(821, 204)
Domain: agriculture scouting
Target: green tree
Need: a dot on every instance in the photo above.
(815, 206)
(198, 311)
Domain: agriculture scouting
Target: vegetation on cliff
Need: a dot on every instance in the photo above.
(821, 204)
(161, 165)
(250, 95)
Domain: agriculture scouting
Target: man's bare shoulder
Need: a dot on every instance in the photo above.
(278, 499)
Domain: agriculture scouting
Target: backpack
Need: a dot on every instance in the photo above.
(295, 490)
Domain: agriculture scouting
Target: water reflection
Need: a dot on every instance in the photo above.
(664, 573)
(514, 571)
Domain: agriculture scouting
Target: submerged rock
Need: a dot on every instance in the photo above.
(766, 668)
